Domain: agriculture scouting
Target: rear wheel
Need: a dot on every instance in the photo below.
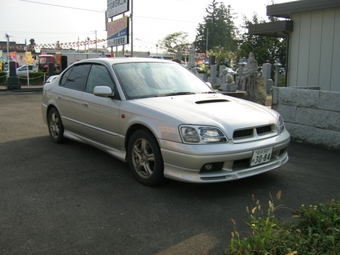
(145, 158)
(55, 126)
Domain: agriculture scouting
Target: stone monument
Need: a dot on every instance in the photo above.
(249, 82)
(267, 73)
(227, 82)
(178, 55)
(192, 56)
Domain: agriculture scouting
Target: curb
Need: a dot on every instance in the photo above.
(25, 88)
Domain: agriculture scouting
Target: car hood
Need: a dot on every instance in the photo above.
(212, 109)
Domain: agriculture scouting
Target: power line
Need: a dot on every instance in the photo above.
(82, 9)
(61, 6)
(157, 18)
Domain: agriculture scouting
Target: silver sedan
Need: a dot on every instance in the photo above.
(163, 120)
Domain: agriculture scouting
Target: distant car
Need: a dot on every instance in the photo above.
(22, 70)
(163, 120)
(5, 67)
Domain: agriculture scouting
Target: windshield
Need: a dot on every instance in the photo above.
(140, 80)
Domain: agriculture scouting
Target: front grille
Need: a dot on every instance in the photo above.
(243, 133)
(262, 130)
(254, 133)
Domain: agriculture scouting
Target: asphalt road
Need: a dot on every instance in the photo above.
(74, 199)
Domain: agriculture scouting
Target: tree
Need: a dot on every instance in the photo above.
(172, 42)
(32, 44)
(266, 49)
(218, 29)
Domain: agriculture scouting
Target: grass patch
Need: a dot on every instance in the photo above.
(314, 230)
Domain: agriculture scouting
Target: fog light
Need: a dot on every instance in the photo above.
(212, 167)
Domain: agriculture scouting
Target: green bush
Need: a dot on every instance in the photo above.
(315, 230)
(282, 80)
(36, 78)
(3, 78)
(202, 69)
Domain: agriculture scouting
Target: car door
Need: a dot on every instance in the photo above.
(101, 117)
(68, 98)
(21, 70)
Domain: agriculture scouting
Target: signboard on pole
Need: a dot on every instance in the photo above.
(1, 60)
(28, 57)
(116, 7)
(118, 32)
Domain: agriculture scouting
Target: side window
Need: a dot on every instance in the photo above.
(99, 76)
(75, 77)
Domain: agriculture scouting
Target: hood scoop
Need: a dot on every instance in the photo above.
(212, 101)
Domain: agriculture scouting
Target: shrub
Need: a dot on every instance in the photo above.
(282, 80)
(315, 231)
(36, 78)
(3, 78)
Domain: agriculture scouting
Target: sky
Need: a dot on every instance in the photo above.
(68, 21)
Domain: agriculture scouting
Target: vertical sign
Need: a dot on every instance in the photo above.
(13, 55)
(116, 7)
(28, 57)
(1, 54)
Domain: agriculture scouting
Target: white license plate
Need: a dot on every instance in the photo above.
(261, 156)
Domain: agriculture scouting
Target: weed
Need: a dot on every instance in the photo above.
(315, 231)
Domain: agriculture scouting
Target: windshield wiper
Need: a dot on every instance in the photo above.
(177, 93)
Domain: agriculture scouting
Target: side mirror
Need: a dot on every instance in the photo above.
(102, 91)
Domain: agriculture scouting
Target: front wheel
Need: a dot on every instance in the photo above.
(55, 126)
(145, 158)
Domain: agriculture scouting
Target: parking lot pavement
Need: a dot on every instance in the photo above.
(75, 199)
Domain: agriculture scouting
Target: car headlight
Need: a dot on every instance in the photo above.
(202, 134)
(281, 124)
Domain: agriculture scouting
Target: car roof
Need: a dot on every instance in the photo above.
(119, 60)
(25, 65)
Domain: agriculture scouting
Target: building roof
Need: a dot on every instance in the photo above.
(284, 10)
(13, 46)
(273, 29)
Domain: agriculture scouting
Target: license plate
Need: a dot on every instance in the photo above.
(261, 156)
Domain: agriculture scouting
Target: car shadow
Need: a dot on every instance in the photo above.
(73, 158)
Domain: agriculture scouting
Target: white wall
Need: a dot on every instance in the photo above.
(314, 57)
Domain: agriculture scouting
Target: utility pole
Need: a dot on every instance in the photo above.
(206, 44)
(88, 44)
(95, 31)
(131, 15)
(8, 57)
(27, 71)
(123, 46)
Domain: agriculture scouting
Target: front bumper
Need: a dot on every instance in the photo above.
(184, 162)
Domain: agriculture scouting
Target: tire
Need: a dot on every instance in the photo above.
(55, 126)
(145, 158)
